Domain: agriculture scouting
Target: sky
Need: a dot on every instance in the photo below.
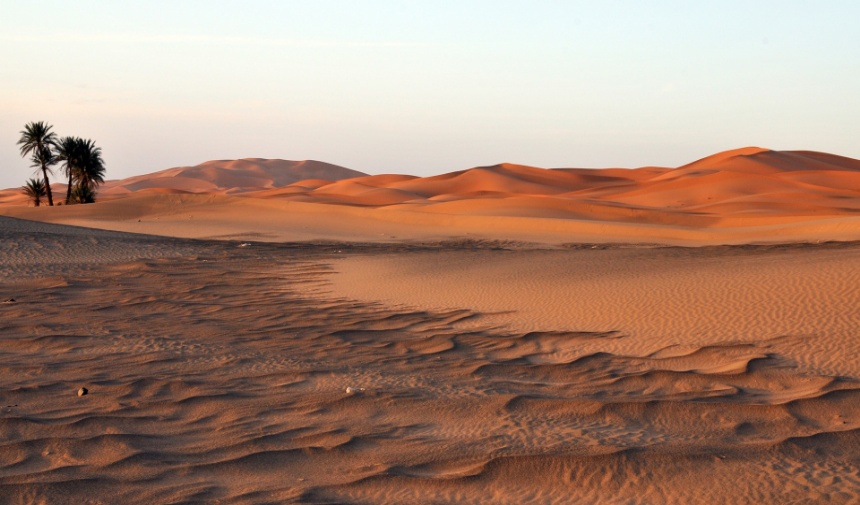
(428, 87)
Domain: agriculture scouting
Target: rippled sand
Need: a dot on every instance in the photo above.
(217, 373)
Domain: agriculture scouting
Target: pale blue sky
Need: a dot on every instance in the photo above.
(426, 87)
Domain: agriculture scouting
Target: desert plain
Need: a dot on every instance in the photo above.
(263, 331)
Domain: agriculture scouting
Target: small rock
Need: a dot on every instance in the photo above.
(83, 391)
(9, 300)
(352, 390)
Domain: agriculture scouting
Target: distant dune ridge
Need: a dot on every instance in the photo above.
(744, 180)
(232, 176)
(772, 195)
(215, 177)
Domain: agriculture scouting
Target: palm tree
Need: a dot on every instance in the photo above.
(91, 171)
(38, 140)
(68, 152)
(83, 165)
(35, 190)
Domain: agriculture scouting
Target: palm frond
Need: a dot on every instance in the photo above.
(36, 136)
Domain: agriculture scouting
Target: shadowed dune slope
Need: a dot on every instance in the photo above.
(231, 176)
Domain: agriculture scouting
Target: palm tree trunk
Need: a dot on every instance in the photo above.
(69, 189)
(47, 185)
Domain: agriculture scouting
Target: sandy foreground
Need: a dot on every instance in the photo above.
(478, 371)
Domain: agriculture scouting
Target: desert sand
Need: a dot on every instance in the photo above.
(749, 195)
(504, 334)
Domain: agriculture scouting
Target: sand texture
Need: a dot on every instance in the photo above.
(262, 331)
(217, 372)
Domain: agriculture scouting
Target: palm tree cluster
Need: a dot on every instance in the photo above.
(80, 159)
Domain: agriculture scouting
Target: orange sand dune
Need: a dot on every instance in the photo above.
(740, 196)
(719, 190)
(231, 176)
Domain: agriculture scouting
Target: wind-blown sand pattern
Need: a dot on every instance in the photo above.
(218, 372)
(455, 362)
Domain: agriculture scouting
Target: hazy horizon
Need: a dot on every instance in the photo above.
(427, 88)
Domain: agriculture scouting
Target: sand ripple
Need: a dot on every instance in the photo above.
(217, 374)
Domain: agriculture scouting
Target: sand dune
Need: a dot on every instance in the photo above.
(741, 196)
(230, 176)
(211, 177)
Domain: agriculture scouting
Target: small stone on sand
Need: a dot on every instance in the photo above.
(83, 391)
